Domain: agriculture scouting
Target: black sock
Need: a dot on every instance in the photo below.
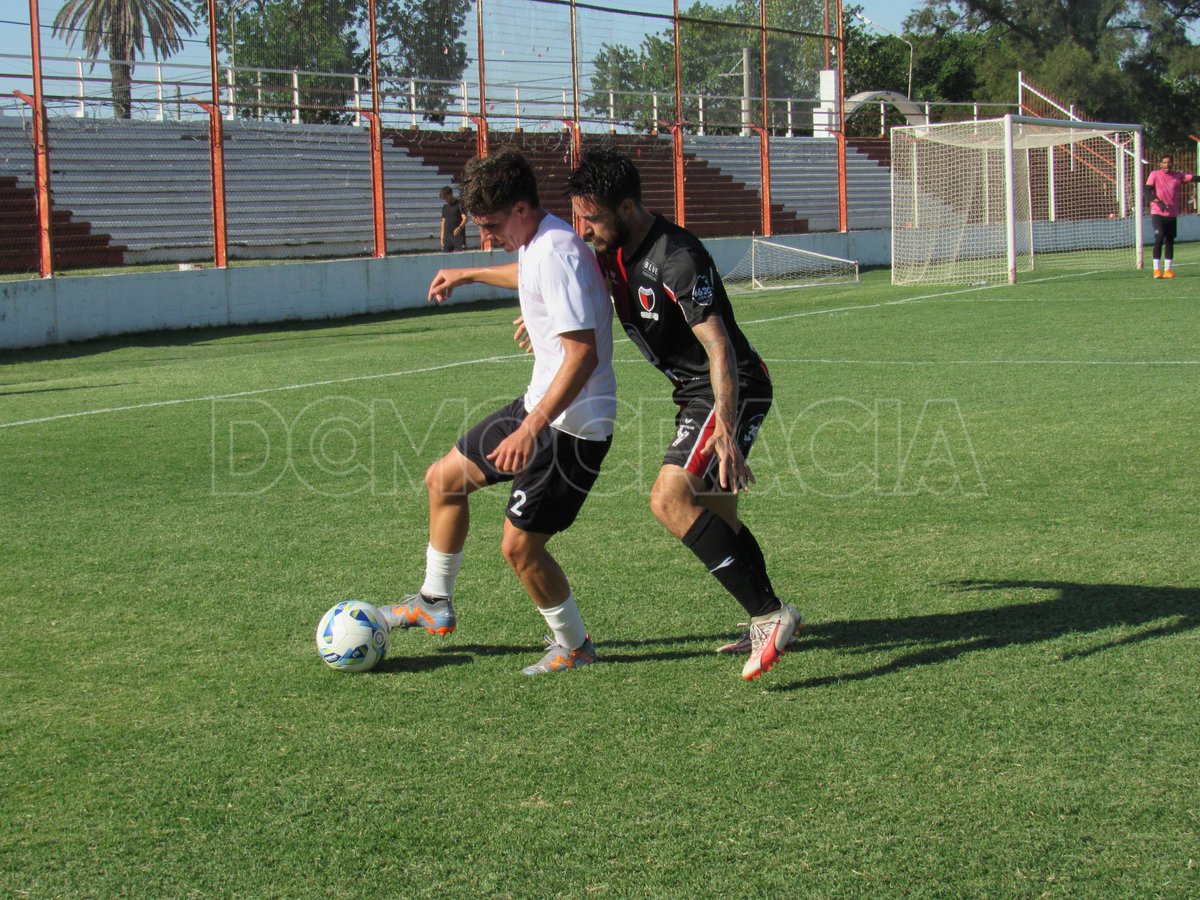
(718, 547)
(754, 556)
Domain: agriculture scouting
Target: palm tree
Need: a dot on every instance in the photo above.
(120, 27)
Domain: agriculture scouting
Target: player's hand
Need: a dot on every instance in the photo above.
(733, 471)
(513, 453)
(444, 283)
(521, 335)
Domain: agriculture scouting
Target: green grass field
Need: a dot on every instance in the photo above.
(984, 500)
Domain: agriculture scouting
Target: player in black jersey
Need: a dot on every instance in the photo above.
(670, 299)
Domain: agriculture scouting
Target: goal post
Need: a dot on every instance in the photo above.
(770, 266)
(988, 199)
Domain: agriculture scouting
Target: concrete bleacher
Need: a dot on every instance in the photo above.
(138, 191)
(718, 203)
(804, 177)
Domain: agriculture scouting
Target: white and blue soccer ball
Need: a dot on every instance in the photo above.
(352, 636)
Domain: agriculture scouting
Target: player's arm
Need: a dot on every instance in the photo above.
(580, 359)
(733, 470)
(446, 280)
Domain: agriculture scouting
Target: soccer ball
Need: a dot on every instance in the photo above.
(353, 636)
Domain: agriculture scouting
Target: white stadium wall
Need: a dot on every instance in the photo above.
(42, 312)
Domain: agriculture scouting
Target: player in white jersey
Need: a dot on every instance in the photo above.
(548, 443)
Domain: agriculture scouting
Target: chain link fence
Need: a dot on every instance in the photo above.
(276, 129)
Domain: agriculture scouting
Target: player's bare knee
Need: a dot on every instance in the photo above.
(518, 551)
(442, 481)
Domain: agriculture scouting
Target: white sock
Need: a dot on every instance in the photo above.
(440, 571)
(565, 623)
(1157, 264)
(1166, 265)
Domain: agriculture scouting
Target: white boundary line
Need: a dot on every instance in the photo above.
(289, 387)
(155, 404)
(988, 362)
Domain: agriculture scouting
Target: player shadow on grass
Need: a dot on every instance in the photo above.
(1077, 609)
(458, 654)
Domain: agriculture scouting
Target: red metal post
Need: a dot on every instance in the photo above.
(378, 207)
(677, 129)
(41, 151)
(216, 148)
(764, 146)
(481, 150)
(377, 185)
(576, 158)
(216, 155)
(843, 211)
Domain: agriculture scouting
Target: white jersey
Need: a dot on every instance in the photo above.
(561, 290)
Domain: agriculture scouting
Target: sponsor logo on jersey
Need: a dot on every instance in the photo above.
(647, 299)
(703, 294)
(650, 268)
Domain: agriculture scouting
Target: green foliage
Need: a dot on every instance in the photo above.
(425, 40)
(712, 43)
(417, 39)
(120, 29)
(311, 36)
(1117, 60)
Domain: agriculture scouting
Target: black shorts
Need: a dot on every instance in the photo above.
(694, 426)
(548, 493)
(1164, 227)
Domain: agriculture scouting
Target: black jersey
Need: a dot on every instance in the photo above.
(663, 289)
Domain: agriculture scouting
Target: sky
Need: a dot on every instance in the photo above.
(14, 30)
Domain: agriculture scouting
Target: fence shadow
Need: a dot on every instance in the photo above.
(1075, 609)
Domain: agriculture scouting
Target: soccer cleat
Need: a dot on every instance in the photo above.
(434, 614)
(558, 658)
(1169, 273)
(1158, 273)
(770, 635)
(743, 643)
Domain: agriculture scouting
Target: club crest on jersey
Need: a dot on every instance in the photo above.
(703, 293)
(646, 298)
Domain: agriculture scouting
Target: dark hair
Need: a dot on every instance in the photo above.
(495, 182)
(606, 176)
(446, 193)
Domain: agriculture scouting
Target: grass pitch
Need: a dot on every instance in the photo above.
(984, 500)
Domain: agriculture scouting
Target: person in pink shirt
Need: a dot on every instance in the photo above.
(1164, 184)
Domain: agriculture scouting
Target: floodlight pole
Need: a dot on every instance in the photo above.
(911, 48)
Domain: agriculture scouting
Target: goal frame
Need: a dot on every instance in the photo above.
(757, 285)
(1010, 149)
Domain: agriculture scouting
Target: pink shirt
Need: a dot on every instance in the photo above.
(1166, 191)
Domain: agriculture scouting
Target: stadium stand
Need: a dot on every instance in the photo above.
(139, 191)
(804, 177)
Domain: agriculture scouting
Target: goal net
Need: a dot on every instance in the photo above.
(985, 200)
(768, 266)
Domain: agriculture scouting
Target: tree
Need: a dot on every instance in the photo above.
(423, 40)
(1119, 60)
(712, 43)
(120, 28)
(308, 36)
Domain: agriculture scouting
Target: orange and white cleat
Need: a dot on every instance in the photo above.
(770, 635)
(559, 659)
(434, 614)
(1168, 273)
